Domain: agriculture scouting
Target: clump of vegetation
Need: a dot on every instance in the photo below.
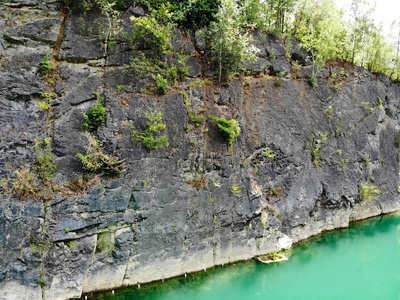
(229, 128)
(41, 282)
(79, 184)
(367, 191)
(44, 67)
(316, 145)
(96, 115)
(162, 85)
(35, 180)
(196, 118)
(235, 189)
(397, 139)
(24, 185)
(104, 244)
(95, 160)
(44, 166)
(45, 105)
(149, 136)
(268, 153)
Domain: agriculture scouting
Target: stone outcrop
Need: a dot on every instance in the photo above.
(198, 202)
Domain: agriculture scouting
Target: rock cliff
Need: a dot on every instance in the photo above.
(295, 170)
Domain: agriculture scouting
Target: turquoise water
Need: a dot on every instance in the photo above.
(361, 262)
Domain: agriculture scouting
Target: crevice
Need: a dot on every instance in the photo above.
(57, 47)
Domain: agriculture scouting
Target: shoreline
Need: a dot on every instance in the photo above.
(238, 261)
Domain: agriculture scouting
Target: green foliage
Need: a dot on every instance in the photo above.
(268, 153)
(316, 145)
(96, 115)
(235, 189)
(202, 82)
(231, 46)
(150, 33)
(397, 139)
(318, 26)
(44, 67)
(44, 166)
(148, 137)
(95, 160)
(229, 128)
(45, 105)
(193, 143)
(270, 15)
(367, 191)
(313, 80)
(162, 85)
(297, 66)
(329, 111)
(195, 118)
(66, 230)
(379, 103)
(104, 244)
(177, 72)
(192, 14)
(185, 99)
(41, 282)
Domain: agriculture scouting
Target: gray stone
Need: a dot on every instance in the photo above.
(137, 11)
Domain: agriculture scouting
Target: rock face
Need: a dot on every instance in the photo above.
(294, 171)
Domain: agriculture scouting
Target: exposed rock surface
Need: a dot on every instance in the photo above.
(196, 203)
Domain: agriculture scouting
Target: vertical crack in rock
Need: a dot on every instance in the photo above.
(56, 49)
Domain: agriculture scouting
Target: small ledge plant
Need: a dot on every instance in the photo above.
(95, 160)
(229, 128)
(367, 191)
(96, 115)
(149, 137)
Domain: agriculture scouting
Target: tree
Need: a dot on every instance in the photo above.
(361, 26)
(319, 27)
(230, 45)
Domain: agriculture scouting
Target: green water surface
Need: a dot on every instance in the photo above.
(361, 262)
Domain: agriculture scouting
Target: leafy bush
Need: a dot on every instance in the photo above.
(23, 186)
(44, 66)
(44, 166)
(196, 118)
(150, 34)
(316, 146)
(162, 85)
(96, 115)
(367, 191)
(188, 13)
(229, 128)
(148, 137)
(95, 160)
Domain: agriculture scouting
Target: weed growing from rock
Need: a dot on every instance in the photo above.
(229, 128)
(149, 136)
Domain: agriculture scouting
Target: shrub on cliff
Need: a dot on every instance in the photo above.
(96, 115)
(229, 128)
(95, 160)
(149, 136)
